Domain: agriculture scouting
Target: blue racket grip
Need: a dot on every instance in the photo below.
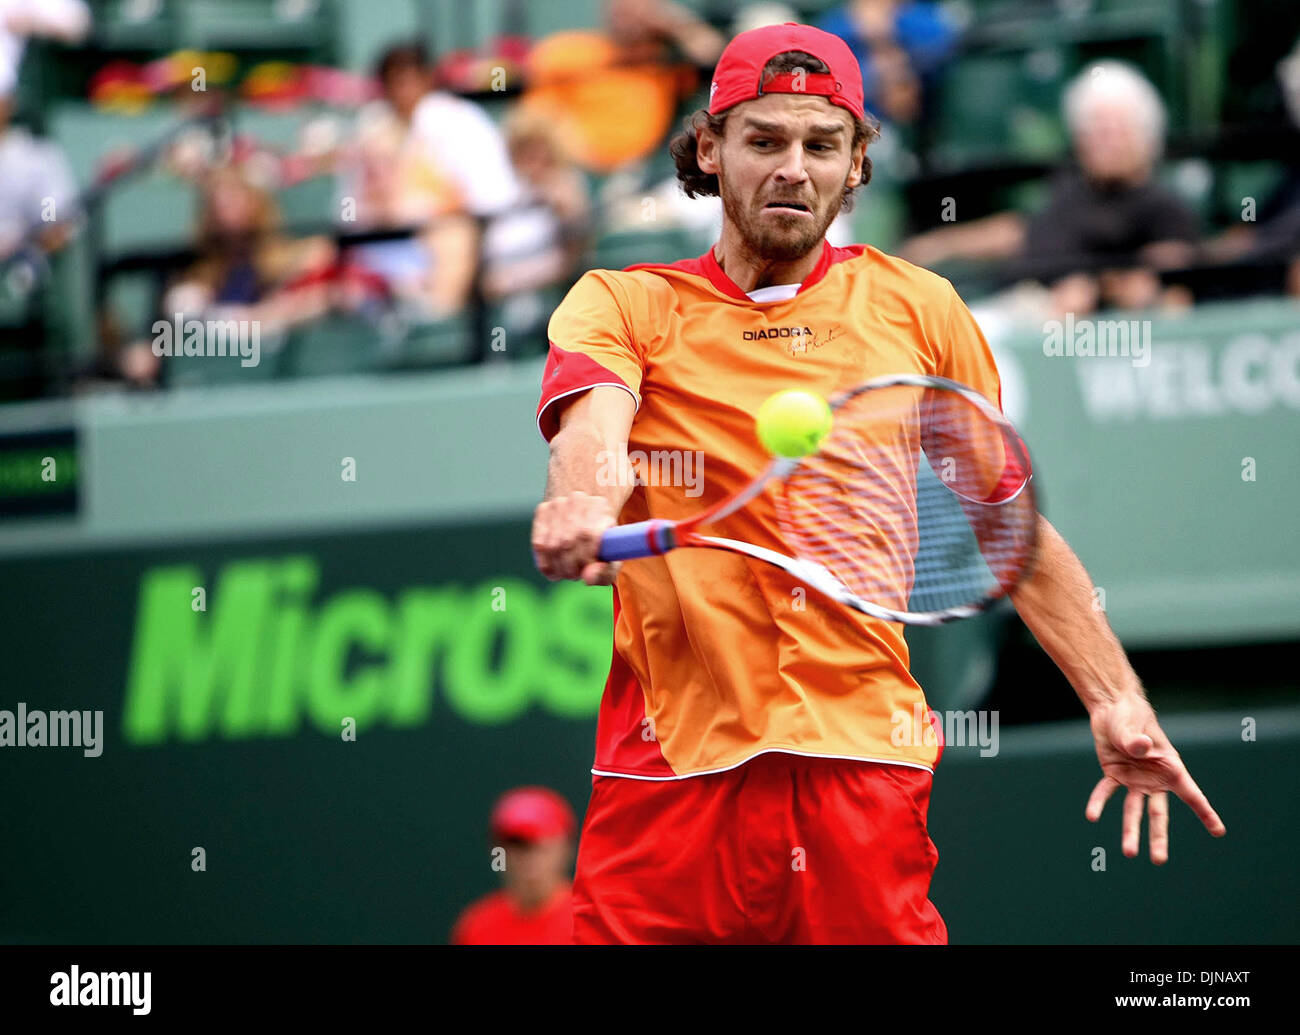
(640, 539)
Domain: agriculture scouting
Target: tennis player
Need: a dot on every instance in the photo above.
(748, 783)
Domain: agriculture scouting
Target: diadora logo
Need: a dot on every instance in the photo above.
(779, 332)
(797, 340)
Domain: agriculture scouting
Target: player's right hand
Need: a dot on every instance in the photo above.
(566, 538)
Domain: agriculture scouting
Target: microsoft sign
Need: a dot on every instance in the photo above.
(259, 655)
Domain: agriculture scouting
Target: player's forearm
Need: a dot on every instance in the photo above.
(586, 459)
(1057, 604)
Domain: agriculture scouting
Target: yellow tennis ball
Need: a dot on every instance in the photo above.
(793, 423)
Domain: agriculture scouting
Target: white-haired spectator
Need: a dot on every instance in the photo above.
(1108, 225)
(1132, 114)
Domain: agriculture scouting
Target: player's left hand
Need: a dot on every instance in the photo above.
(1135, 753)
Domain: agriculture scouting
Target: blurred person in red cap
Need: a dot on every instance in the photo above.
(532, 832)
(763, 767)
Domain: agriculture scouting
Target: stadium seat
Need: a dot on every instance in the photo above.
(203, 371)
(133, 25)
(333, 345)
(274, 128)
(1130, 15)
(132, 300)
(257, 25)
(1236, 181)
(522, 320)
(1192, 179)
(998, 106)
(308, 205)
(433, 344)
(553, 16)
(879, 213)
(68, 301)
(89, 134)
(155, 211)
(628, 247)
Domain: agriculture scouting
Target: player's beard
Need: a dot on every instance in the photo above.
(776, 238)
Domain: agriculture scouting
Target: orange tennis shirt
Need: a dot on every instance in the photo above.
(718, 657)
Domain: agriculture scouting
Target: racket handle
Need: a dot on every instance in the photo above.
(640, 539)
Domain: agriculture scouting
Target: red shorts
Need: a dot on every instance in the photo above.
(783, 849)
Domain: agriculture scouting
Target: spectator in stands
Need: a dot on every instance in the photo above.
(1274, 236)
(616, 91)
(643, 27)
(1108, 225)
(900, 46)
(39, 204)
(533, 830)
(246, 270)
(244, 260)
(758, 13)
(430, 161)
(65, 20)
(542, 243)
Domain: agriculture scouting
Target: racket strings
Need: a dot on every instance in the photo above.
(916, 501)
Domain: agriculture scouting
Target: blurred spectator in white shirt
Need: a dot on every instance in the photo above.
(64, 20)
(431, 161)
(541, 243)
(38, 195)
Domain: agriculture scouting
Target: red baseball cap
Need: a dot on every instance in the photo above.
(530, 814)
(739, 73)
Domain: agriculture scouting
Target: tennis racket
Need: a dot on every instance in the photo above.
(917, 506)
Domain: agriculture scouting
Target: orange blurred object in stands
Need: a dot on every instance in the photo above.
(610, 110)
